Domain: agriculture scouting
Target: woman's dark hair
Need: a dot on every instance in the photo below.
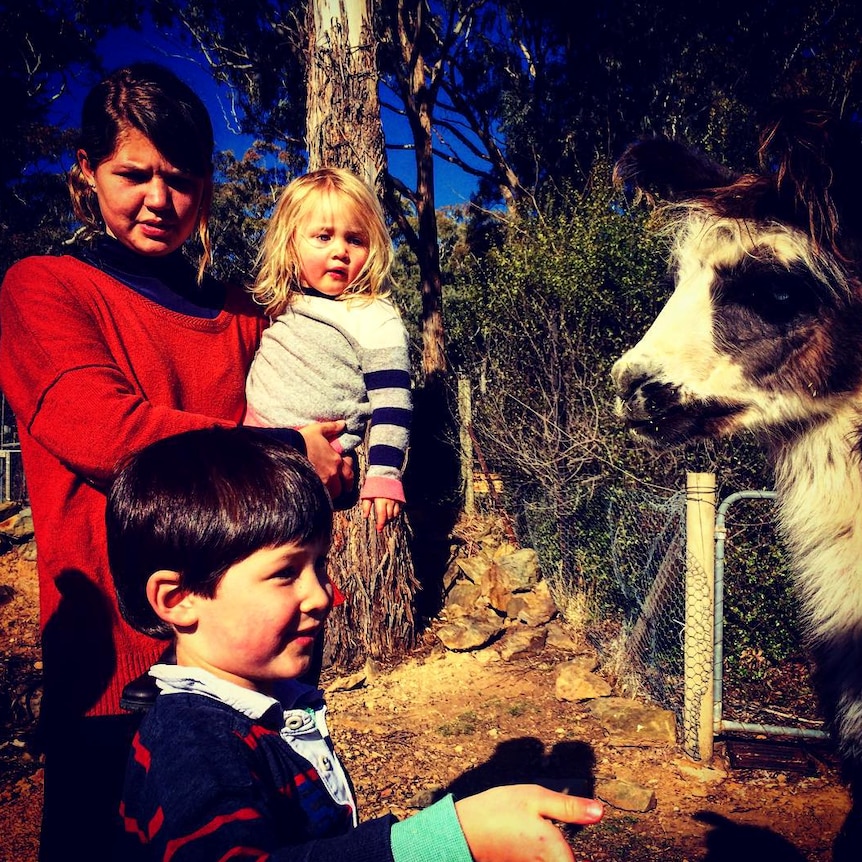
(201, 501)
(152, 99)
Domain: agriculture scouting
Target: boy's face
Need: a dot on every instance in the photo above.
(261, 624)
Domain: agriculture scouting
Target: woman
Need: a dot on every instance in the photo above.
(102, 353)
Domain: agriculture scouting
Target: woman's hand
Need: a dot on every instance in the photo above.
(334, 471)
(513, 824)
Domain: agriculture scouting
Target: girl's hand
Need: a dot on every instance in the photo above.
(335, 472)
(384, 510)
(513, 824)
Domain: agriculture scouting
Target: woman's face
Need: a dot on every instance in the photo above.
(149, 205)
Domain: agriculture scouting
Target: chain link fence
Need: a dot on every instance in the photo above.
(623, 553)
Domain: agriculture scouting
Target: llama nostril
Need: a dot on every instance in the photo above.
(628, 381)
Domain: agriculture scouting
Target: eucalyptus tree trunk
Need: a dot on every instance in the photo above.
(374, 570)
(343, 126)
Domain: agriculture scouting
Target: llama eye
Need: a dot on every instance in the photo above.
(778, 298)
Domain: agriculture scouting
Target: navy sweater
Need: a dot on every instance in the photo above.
(205, 783)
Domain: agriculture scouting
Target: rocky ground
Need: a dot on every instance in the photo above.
(462, 720)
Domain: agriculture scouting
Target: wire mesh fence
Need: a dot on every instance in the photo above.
(765, 669)
(624, 551)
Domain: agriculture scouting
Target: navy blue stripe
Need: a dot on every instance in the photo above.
(392, 416)
(386, 456)
(390, 378)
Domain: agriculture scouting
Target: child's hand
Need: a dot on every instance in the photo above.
(513, 824)
(384, 510)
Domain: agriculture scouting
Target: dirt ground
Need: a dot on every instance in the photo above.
(441, 721)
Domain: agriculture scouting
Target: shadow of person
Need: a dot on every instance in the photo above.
(568, 768)
(735, 842)
(78, 654)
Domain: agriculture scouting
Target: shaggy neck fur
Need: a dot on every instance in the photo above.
(818, 477)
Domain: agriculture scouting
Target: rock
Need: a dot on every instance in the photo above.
(468, 633)
(451, 575)
(463, 599)
(27, 551)
(629, 722)
(19, 527)
(503, 549)
(521, 639)
(534, 608)
(355, 680)
(587, 663)
(703, 774)
(427, 796)
(9, 508)
(520, 567)
(512, 571)
(560, 639)
(625, 795)
(575, 683)
(475, 569)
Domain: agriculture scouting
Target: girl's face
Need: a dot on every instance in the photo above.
(332, 245)
(262, 622)
(149, 205)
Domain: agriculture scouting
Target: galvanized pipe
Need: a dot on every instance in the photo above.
(719, 724)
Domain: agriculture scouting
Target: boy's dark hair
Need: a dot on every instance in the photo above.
(201, 501)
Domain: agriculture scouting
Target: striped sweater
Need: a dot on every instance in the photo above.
(326, 358)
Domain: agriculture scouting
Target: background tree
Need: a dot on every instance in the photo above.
(343, 125)
(343, 129)
(43, 45)
(245, 192)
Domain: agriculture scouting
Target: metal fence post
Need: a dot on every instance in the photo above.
(699, 614)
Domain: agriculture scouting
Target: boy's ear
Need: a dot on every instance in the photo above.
(171, 603)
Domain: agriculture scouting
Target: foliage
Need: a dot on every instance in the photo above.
(563, 90)
(245, 193)
(762, 617)
(257, 48)
(537, 323)
(43, 44)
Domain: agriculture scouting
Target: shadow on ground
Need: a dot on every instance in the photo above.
(731, 842)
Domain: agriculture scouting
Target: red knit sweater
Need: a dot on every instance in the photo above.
(94, 371)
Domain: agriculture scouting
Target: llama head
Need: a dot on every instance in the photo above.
(763, 329)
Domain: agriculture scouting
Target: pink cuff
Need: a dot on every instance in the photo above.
(380, 486)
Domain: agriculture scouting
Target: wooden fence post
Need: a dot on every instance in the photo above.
(465, 417)
(699, 615)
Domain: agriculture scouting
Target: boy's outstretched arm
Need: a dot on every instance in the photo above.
(513, 824)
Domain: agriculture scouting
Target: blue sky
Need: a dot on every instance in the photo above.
(453, 186)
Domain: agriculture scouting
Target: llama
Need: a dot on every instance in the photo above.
(763, 332)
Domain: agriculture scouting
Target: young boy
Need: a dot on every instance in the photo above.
(218, 538)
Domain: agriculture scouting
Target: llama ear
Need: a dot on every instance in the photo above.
(666, 169)
(814, 157)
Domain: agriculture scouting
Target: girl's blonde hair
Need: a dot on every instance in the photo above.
(279, 274)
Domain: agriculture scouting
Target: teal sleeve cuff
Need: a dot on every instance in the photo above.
(432, 835)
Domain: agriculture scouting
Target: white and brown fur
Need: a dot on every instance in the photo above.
(763, 332)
